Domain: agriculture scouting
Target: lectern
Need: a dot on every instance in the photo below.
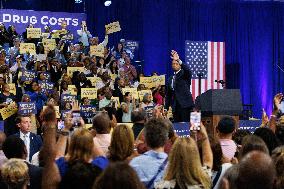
(216, 103)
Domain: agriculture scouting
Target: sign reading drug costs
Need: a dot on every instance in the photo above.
(21, 18)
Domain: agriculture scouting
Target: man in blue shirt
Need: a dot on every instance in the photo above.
(151, 165)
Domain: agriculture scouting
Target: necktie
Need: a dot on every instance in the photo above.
(26, 140)
(173, 81)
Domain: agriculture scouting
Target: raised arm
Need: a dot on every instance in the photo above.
(50, 175)
(203, 140)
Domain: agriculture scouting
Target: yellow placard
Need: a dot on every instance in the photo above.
(112, 27)
(133, 91)
(153, 81)
(94, 80)
(8, 111)
(56, 111)
(12, 88)
(97, 50)
(49, 44)
(90, 93)
(70, 70)
(143, 92)
(27, 47)
(56, 33)
(147, 81)
(45, 35)
(33, 32)
(159, 80)
(72, 89)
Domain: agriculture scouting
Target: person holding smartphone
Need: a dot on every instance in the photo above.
(84, 34)
(178, 94)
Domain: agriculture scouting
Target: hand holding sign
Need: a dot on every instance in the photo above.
(27, 48)
(112, 27)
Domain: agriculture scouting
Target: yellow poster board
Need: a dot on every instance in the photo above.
(94, 80)
(33, 33)
(49, 44)
(133, 91)
(56, 111)
(147, 81)
(8, 111)
(90, 93)
(153, 81)
(12, 88)
(27, 47)
(159, 80)
(112, 27)
(70, 70)
(97, 50)
(72, 89)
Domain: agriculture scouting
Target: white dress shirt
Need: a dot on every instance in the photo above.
(26, 139)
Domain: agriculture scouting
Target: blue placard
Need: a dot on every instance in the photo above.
(67, 98)
(26, 108)
(131, 45)
(28, 75)
(182, 129)
(250, 125)
(88, 112)
(149, 111)
(46, 86)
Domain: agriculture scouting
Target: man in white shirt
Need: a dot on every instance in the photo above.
(32, 141)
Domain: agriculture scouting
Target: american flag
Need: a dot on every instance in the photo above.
(206, 58)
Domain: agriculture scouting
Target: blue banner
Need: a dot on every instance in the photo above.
(22, 18)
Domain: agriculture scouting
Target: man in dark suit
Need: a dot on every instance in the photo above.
(178, 90)
(14, 147)
(32, 141)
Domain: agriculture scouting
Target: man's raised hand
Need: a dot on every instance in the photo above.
(174, 55)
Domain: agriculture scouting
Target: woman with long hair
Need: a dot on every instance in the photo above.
(118, 175)
(122, 144)
(80, 150)
(184, 167)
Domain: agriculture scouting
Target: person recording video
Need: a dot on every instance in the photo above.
(84, 34)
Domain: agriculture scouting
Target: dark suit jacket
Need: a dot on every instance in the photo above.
(35, 174)
(181, 92)
(35, 143)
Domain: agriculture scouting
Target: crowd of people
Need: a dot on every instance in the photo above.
(36, 153)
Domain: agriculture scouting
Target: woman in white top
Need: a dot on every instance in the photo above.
(184, 169)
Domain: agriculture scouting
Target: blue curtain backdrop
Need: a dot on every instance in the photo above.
(253, 33)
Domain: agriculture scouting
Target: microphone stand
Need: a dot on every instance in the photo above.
(199, 83)
(280, 68)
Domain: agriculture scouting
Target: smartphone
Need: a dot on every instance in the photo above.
(195, 121)
(76, 119)
(60, 125)
(282, 107)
